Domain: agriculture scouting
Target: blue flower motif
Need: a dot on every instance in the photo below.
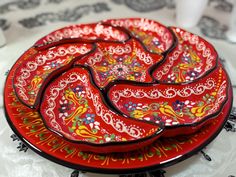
(89, 118)
(186, 59)
(136, 64)
(130, 106)
(54, 64)
(192, 74)
(78, 89)
(104, 75)
(178, 105)
(156, 42)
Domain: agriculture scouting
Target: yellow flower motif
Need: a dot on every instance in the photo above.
(130, 77)
(137, 114)
(168, 111)
(83, 131)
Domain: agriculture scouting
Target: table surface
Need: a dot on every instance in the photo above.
(26, 21)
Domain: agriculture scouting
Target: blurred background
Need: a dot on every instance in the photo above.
(22, 22)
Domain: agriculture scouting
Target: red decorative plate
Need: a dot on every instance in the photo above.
(120, 61)
(34, 73)
(184, 107)
(86, 33)
(191, 59)
(155, 36)
(75, 115)
(73, 107)
(28, 125)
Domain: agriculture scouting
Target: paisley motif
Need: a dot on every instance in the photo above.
(119, 85)
(85, 32)
(31, 77)
(118, 61)
(73, 107)
(173, 105)
(154, 36)
(192, 58)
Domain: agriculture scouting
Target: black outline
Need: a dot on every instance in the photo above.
(106, 144)
(50, 77)
(198, 78)
(124, 170)
(81, 39)
(120, 171)
(133, 83)
(149, 69)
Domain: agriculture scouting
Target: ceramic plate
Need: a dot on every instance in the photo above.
(155, 36)
(85, 32)
(73, 107)
(120, 61)
(29, 126)
(191, 59)
(96, 88)
(185, 106)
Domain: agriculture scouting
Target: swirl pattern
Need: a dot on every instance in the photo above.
(122, 80)
(55, 58)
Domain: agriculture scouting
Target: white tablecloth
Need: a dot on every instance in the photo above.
(26, 21)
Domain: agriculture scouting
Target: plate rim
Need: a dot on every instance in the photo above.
(124, 170)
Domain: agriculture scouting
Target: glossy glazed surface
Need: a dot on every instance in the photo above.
(33, 74)
(85, 32)
(175, 105)
(73, 107)
(120, 61)
(155, 36)
(28, 125)
(192, 58)
(102, 92)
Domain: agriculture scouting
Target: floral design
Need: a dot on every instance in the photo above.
(81, 119)
(192, 58)
(64, 107)
(187, 69)
(152, 43)
(155, 36)
(161, 150)
(33, 73)
(131, 106)
(178, 105)
(38, 79)
(119, 62)
(77, 114)
(123, 68)
(73, 14)
(170, 113)
(55, 64)
(73, 108)
(89, 118)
